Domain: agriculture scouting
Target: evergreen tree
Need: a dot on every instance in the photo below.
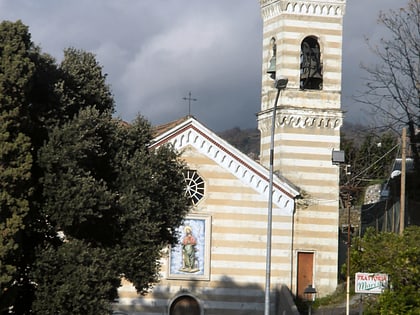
(105, 190)
(83, 200)
(151, 188)
(15, 151)
(82, 84)
(73, 278)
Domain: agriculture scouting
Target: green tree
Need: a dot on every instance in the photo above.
(15, 150)
(152, 188)
(76, 162)
(82, 84)
(105, 190)
(73, 278)
(399, 257)
(369, 159)
(83, 199)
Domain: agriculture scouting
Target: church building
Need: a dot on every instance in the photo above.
(220, 264)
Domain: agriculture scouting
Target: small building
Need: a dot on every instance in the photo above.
(220, 263)
(385, 214)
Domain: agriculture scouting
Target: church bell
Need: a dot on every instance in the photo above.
(272, 67)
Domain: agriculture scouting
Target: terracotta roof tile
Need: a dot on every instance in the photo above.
(158, 130)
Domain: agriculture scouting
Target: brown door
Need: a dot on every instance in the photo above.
(185, 305)
(305, 270)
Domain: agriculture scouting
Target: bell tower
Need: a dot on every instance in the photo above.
(302, 41)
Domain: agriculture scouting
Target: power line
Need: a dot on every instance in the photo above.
(372, 165)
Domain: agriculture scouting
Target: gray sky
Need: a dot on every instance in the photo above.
(156, 51)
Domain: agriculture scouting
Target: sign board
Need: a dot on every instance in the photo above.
(371, 282)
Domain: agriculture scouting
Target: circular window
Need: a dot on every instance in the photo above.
(194, 189)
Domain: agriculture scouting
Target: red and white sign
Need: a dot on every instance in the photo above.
(371, 282)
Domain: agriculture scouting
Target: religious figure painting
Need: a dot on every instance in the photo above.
(189, 258)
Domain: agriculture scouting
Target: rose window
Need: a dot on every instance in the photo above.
(195, 186)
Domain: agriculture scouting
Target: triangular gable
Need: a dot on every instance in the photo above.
(192, 133)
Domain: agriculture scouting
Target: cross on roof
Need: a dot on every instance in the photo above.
(189, 99)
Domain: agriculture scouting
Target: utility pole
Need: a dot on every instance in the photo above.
(348, 255)
(402, 193)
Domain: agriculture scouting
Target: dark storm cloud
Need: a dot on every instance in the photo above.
(360, 22)
(155, 52)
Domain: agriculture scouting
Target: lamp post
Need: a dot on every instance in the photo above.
(279, 84)
(338, 158)
(310, 294)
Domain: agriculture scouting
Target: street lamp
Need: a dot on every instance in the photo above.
(310, 294)
(338, 158)
(279, 84)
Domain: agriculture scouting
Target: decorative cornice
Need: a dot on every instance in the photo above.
(329, 8)
(241, 166)
(302, 119)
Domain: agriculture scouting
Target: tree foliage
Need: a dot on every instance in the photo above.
(83, 201)
(73, 278)
(399, 257)
(246, 140)
(82, 84)
(15, 148)
(369, 158)
(393, 84)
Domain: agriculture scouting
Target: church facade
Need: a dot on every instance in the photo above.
(219, 266)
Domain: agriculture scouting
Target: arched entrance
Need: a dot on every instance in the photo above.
(185, 305)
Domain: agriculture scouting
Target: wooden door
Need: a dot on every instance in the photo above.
(305, 271)
(185, 305)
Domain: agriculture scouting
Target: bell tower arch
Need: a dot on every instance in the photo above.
(302, 41)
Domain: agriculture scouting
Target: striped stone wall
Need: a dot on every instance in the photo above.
(237, 259)
(307, 125)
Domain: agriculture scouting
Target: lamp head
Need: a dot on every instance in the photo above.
(338, 157)
(310, 292)
(281, 83)
(309, 289)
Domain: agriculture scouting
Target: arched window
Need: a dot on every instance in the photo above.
(310, 64)
(185, 305)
